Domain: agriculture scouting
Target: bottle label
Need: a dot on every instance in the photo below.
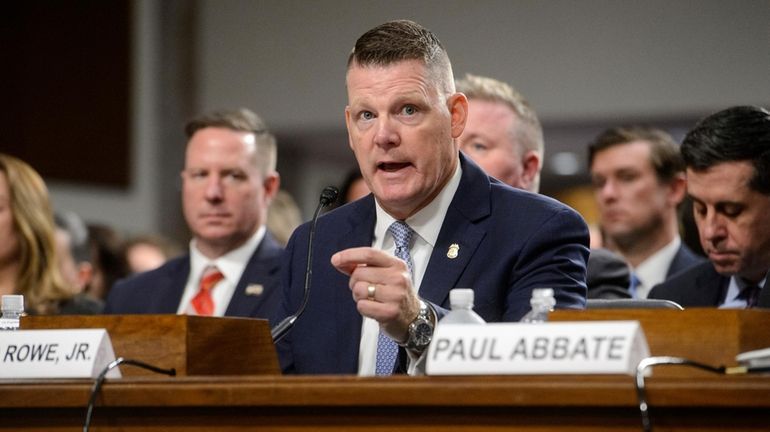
(9, 324)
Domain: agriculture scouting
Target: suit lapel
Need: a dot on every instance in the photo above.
(262, 269)
(360, 232)
(172, 287)
(710, 287)
(460, 234)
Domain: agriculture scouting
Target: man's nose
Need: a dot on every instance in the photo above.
(387, 133)
(608, 190)
(214, 189)
(713, 227)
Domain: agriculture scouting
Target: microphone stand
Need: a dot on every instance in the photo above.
(328, 195)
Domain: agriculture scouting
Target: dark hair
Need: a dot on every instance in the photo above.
(353, 176)
(740, 133)
(401, 40)
(241, 120)
(80, 248)
(664, 153)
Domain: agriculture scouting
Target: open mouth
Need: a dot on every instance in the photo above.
(392, 166)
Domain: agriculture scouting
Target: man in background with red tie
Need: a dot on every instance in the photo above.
(233, 265)
(728, 177)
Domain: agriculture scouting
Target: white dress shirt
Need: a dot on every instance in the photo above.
(231, 265)
(426, 225)
(652, 271)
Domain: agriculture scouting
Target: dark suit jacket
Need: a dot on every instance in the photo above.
(510, 242)
(159, 291)
(608, 273)
(684, 259)
(698, 286)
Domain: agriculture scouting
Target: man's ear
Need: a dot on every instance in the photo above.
(677, 189)
(271, 183)
(458, 110)
(347, 125)
(530, 164)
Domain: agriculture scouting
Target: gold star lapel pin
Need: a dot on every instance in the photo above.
(454, 250)
(255, 289)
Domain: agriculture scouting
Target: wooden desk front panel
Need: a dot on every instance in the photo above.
(294, 404)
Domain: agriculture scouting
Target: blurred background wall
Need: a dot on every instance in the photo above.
(584, 66)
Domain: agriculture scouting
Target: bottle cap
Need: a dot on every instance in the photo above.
(13, 302)
(461, 296)
(542, 293)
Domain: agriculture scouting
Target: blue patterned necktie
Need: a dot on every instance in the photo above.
(387, 349)
(632, 286)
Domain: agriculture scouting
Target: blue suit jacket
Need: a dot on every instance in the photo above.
(159, 291)
(698, 286)
(510, 242)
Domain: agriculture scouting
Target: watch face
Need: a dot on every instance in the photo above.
(423, 333)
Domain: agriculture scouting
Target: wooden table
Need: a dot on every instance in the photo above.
(348, 403)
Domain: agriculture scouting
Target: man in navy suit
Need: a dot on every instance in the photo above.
(638, 179)
(728, 177)
(384, 265)
(228, 183)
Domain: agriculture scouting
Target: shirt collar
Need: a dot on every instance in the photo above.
(230, 264)
(652, 271)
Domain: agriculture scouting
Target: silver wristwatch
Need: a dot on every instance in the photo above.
(420, 331)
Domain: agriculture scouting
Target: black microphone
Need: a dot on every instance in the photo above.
(328, 196)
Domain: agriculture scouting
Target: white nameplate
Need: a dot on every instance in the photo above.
(585, 347)
(66, 353)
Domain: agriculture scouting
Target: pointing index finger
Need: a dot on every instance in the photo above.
(348, 259)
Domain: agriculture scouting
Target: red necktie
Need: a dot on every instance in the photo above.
(203, 303)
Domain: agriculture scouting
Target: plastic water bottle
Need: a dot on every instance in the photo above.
(542, 303)
(12, 306)
(461, 300)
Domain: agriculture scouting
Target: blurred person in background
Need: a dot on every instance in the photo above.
(74, 249)
(147, 252)
(283, 216)
(106, 259)
(232, 269)
(638, 179)
(29, 262)
(502, 134)
(353, 187)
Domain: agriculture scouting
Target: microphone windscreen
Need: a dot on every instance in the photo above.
(329, 195)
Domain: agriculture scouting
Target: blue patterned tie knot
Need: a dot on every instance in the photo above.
(402, 235)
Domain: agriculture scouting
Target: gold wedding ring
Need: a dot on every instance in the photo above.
(371, 290)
